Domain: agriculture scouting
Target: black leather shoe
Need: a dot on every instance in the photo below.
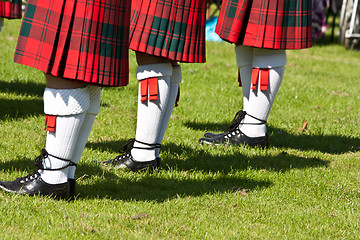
(211, 135)
(127, 162)
(234, 136)
(237, 138)
(239, 116)
(33, 185)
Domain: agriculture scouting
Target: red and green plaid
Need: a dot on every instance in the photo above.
(173, 29)
(83, 40)
(273, 24)
(11, 10)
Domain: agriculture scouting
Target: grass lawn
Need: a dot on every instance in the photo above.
(305, 186)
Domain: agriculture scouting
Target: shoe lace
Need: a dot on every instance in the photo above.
(239, 116)
(44, 154)
(125, 150)
(39, 159)
(39, 164)
(30, 177)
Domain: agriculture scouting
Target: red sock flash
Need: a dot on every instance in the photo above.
(264, 78)
(50, 123)
(149, 87)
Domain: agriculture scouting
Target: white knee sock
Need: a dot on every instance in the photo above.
(95, 96)
(175, 80)
(262, 95)
(154, 81)
(66, 108)
(244, 59)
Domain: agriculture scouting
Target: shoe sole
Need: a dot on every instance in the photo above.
(213, 144)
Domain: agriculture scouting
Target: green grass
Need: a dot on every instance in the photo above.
(305, 186)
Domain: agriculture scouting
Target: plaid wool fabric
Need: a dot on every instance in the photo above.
(11, 10)
(273, 24)
(83, 40)
(173, 29)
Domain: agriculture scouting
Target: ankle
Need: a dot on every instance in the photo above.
(250, 119)
(252, 126)
(71, 172)
(143, 155)
(142, 151)
(54, 177)
(253, 130)
(52, 169)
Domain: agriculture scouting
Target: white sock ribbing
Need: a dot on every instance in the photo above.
(151, 112)
(95, 97)
(244, 59)
(61, 144)
(173, 92)
(69, 106)
(260, 101)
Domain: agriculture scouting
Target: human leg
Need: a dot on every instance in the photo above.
(154, 76)
(91, 113)
(65, 112)
(244, 59)
(260, 87)
(175, 80)
(268, 72)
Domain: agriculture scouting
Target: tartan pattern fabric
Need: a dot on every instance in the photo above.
(173, 29)
(82, 40)
(273, 24)
(11, 10)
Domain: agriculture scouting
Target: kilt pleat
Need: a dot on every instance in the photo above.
(11, 10)
(273, 24)
(167, 28)
(190, 35)
(83, 40)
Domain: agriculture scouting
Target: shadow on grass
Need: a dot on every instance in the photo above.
(152, 187)
(177, 176)
(22, 88)
(219, 174)
(283, 139)
(108, 146)
(20, 108)
(19, 164)
(221, 170)
(198, 159)
(203, 161)
(149, 187)
(11, 108)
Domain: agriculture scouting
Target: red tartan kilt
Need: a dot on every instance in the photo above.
(82, 40)
(273, 24)
(171, 29)
(11, 10)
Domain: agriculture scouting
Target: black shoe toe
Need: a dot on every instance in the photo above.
(236, 138)
(34, 185)
(211, 135)
(127, 162)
